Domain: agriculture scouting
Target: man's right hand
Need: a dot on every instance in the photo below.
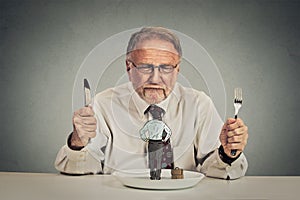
(84, 126)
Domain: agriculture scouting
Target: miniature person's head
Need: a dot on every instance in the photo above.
(152, 63)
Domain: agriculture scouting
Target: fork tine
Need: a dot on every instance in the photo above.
(238, 95)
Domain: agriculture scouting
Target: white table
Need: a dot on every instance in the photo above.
(39, 186)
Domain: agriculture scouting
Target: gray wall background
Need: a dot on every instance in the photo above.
(255, 45)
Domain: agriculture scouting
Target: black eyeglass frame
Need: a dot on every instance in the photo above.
(151, 67)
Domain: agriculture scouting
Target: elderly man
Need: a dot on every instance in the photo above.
(106, 135)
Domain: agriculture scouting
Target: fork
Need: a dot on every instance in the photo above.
(237, 103)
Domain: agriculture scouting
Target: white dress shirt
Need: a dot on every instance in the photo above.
(191, 116)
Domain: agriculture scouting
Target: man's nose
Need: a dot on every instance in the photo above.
(155, 76)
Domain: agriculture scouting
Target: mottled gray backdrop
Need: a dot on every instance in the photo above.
(255, 45)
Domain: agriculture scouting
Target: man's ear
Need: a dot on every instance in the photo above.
(178, 68)
(128, 69)
(127, 65)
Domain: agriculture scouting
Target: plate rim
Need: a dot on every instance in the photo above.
(163, 184)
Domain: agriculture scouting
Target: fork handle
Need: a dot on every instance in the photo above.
(233, 151)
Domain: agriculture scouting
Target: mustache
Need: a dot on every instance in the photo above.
(153, 86)
(145, 88)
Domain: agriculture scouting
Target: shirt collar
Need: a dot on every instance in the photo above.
(174, 96)
(138, 102)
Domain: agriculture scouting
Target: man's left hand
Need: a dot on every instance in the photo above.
(234, 135)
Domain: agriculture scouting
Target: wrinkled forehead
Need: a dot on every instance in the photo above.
(141, 54)
(158, 49)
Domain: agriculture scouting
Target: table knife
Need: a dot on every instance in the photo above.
(87, 93)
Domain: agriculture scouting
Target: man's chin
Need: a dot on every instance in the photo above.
(154, 96)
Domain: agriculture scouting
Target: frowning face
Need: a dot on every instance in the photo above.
(152, 83)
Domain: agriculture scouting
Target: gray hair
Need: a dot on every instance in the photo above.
(148, 33)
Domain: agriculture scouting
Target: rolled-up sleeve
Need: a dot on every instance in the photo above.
(77, 162)
(213, 166)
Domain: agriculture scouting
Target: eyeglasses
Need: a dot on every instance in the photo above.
(149, 68)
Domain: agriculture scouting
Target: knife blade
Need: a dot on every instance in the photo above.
(87, 93)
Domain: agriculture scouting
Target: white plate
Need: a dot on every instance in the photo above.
(140, 178)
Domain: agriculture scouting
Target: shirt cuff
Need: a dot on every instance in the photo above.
(215, 167)
(76, 155)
